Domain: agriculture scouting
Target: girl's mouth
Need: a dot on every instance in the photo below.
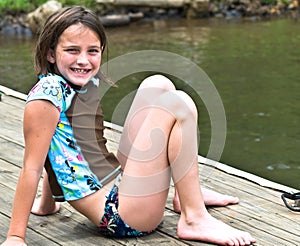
(80, 70)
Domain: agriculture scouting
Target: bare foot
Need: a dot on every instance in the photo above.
(210, 197)
(213, 198)
(44, 209)
(208, 229)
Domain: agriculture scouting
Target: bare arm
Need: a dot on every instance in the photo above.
(45, 204)
(40, 120)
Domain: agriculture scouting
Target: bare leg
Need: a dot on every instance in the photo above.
(160, 85)
(195, 223)
(45, 205)
(143, 199)
(150, 89)
(148, 92)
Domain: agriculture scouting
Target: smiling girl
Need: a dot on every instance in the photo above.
(124, 195)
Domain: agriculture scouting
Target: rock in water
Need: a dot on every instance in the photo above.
(35, 20)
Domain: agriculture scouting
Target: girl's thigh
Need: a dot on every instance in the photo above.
(143, 213)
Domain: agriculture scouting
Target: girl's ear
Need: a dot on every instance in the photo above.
(51, 56)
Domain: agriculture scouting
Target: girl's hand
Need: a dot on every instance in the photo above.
(14, 241)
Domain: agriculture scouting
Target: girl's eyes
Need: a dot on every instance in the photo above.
(71, 50)
(75, 51)
(94, 51)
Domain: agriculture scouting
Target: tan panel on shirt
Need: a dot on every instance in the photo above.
(86, 118)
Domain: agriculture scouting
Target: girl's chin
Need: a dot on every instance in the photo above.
(80, 80)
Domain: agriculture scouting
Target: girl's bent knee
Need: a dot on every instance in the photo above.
(158, 81)
(178, 103)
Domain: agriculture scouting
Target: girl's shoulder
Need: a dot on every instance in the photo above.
(51, 87)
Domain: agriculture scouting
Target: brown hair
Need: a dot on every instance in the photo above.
(55, 26)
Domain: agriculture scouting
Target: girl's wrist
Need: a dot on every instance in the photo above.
(16, 238)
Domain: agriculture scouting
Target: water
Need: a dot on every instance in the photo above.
(254, 66)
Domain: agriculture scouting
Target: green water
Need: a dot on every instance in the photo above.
(254, 66)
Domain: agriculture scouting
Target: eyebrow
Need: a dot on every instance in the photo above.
(96, 46)
(77, 46)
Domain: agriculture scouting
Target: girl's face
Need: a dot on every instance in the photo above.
(77, 55)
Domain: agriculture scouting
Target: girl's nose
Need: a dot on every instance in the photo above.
(82, 59)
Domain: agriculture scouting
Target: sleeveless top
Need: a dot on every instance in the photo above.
(78, 162)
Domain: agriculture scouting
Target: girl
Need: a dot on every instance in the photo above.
(63, 130)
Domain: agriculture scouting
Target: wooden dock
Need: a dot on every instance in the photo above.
(260, 211)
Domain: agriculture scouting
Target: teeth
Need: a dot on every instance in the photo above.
(80, 70)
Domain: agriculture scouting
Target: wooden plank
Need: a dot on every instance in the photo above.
(266, 234)
(69, 222)
(33, 238)
(260, 211)
(12, 107)
(266, 215)
(11, 152)
(17, 103)
(81, 227)
(60, 228)
(11, 132)
(11, 112)
(9, 176)
(11, 123)
(226, 181)
(259, 201)
(239, 173)
(12, 93)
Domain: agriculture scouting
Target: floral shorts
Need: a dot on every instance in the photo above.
(111, 223)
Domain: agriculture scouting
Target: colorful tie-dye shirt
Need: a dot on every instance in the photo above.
(69, 170)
